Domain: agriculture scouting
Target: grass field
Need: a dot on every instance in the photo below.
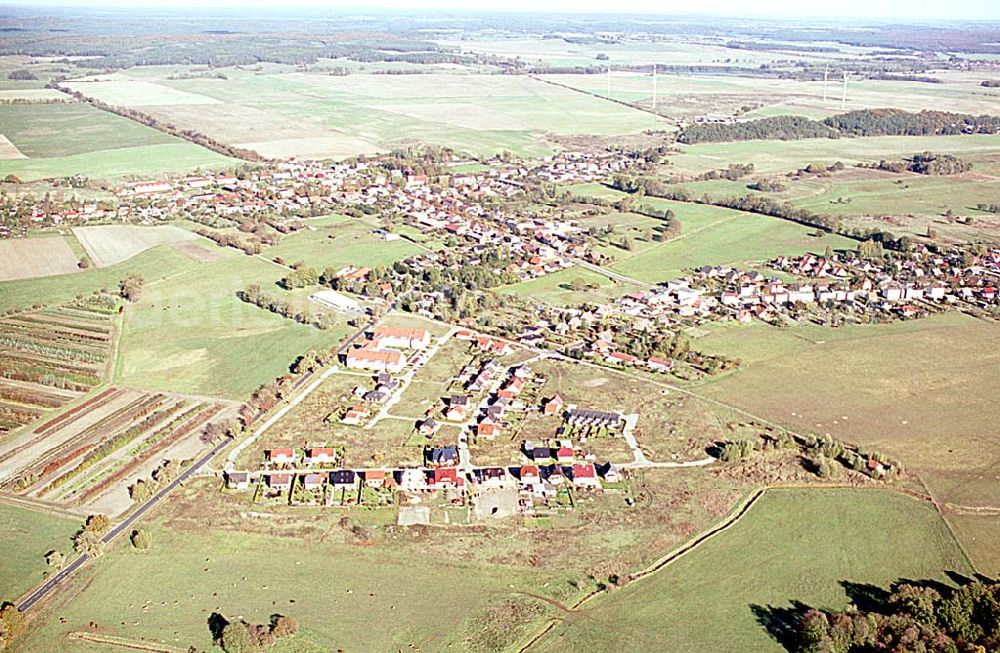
(27, 258)
(793, 545)
(190, 333)
(295, 113)
(144, 161)
(110, 244)
(771, 157)
(157, 263)
(556, 288)
(713, 236)
(919, 390)
(339, 241)
(25, 537)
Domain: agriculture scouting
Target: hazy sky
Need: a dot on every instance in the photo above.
(886, 9)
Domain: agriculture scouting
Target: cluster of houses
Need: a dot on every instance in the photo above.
(381, 352)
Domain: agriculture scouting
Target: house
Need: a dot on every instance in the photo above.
(355, 416)
(279, 481)
(321, 455)
(388, 360)
(455, 413)
(400, 337)
(541, 454)
(375, 478)
(529, 473)
(553, 474)
(596, 418)
(412, 479)
(491, 476)
(281, 456)
(312, 481)
(564, 454)
(429, 426)
(343, 479)
(443, 456)
(493, 345)
(487, 429)
(610, 473)
(585, 475)
(445, 478)
(621, 358)
(553, 406)
(237, 480)
(659, 364)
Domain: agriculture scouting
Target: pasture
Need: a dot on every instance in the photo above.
(919, 391)
(25, 537)
(299, 113)
(560, 288)
(111, 244)
(338, 241)
(27, 258)
(814, 546)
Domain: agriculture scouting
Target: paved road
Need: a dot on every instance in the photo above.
(611, 274)
(121, 527)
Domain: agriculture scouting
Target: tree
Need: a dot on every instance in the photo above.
(236, 638)
(131, 287)
(55, 559)
(88, 543)
(141, 539)
(283, 625)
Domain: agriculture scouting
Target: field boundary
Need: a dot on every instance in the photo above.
(121, 642)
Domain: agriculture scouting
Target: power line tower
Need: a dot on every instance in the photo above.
(843, 98)
(826, 75)
(654, 87)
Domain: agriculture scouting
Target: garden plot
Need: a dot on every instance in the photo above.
(28, 258)
(51, 357)
(110, 244)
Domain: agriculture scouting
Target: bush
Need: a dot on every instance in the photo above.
(141, 539)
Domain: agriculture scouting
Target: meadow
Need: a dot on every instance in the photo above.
(812, 546)
(920, 391)
(557, 288)
(191, 333)
(712, 235)
(337, 241)
(279, 112)
(25, 537)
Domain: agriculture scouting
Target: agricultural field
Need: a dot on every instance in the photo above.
(913, 385)
(285, 113)
(53, 356)
(712, 235)
(111, 244)
(25, 537)
(89, 455)
(819, 547)
(61, 140)
(27, 258)
(689, 96)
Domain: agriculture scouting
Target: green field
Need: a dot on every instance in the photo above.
(154, 264)
(793, 545)
(25, 537)
(555, 288)
(770, 157)
(61, 140)
(339, 241)
(190, 332)
(335, 591)
(296, 113)
(714, 236)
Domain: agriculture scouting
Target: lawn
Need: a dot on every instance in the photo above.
(793, 545)
(190, 332)
(25, 537)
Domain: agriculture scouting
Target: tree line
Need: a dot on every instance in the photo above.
(864, 122)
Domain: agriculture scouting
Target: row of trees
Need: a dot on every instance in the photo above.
(243, 637)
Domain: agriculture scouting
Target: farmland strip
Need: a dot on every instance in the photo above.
(93, 402)
(197, 421)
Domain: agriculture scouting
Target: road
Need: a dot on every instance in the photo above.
(611, 274)
(54, 582)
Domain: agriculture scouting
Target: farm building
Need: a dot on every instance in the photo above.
(337, 301)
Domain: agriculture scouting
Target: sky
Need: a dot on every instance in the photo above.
(902, 10)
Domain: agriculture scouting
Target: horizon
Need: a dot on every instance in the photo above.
(892, 11)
